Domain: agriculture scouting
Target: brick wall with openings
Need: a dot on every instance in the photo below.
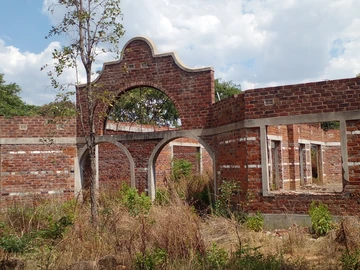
(230, 129)
(293, 139)
(141, 151)
(191, 91)
(202, 163)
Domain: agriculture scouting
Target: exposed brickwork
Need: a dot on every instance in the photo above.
(191, 92)
(37, 170)
(238, 132)
(201, 160)
(317, 97)
(35, 127)
(291, 138)
(114, 167)
(353, 145)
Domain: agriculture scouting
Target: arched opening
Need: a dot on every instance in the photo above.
(142, 109)
(115, 166)
(185, 165)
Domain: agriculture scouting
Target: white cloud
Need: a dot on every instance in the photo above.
(23, 68)
(255, 43)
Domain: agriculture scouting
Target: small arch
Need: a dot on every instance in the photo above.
(81, 159)
(155, 153)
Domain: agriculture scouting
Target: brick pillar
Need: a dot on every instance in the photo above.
(353, 149)
(141, 152)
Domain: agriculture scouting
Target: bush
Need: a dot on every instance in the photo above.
(135, 203)
(251, 259)
(154, 259)
(162, 197)
(216, 258)
(255, 222)
(180, 168)
(350, 260)
(13, 244)
(321, 218)
(223, 202)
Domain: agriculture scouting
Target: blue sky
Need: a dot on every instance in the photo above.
(255, 43)
(24, 25)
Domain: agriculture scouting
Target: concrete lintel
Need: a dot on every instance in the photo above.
(303, 119)
(39, 140)
(283, 120)
(150, 135)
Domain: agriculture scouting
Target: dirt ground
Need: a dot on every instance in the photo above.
(296, 244)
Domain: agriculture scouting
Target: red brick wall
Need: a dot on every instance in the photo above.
(37, 170)
(114, 167)
(35, 127)
(290, 136)
(192, 92)
(316, 97)
(163, 161)
(353, 144)
(237, 152)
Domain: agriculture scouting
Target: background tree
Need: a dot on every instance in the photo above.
(145, 105)
(92, 27)
(225, 89)
(61, 108)
(10, 102)
(149, 106)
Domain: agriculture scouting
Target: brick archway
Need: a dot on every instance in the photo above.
(191, 90)
(79, 183)
(158, 148)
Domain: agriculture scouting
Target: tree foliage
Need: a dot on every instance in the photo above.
(225, 89)
(145, 105)
(149, 106)
(56, 109)
(10, 102)
(92, 27)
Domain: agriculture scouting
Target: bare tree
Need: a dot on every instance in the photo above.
(91, 27)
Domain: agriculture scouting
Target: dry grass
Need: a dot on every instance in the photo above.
(174, 227)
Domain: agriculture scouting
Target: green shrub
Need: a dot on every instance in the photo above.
(135, 203)
(321, 218)
(350, 260)
(223, 202)
(216, 258)
(154, 259)
(13, 244)
(255, 222)
(250, 258)
(181, 168)
(57, 228)
(162, 197)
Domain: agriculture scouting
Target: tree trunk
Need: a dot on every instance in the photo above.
(93, 181)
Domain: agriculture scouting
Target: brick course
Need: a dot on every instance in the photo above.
(232, 130)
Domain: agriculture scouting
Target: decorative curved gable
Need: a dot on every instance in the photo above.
(191, 89)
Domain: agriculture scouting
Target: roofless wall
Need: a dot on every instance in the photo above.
(245, 136)
(191, 90)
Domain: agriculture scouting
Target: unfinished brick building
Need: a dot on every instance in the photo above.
(270, 140)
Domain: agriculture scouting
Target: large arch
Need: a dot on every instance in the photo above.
(168, 138)
(145, 84)
(141, 65)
